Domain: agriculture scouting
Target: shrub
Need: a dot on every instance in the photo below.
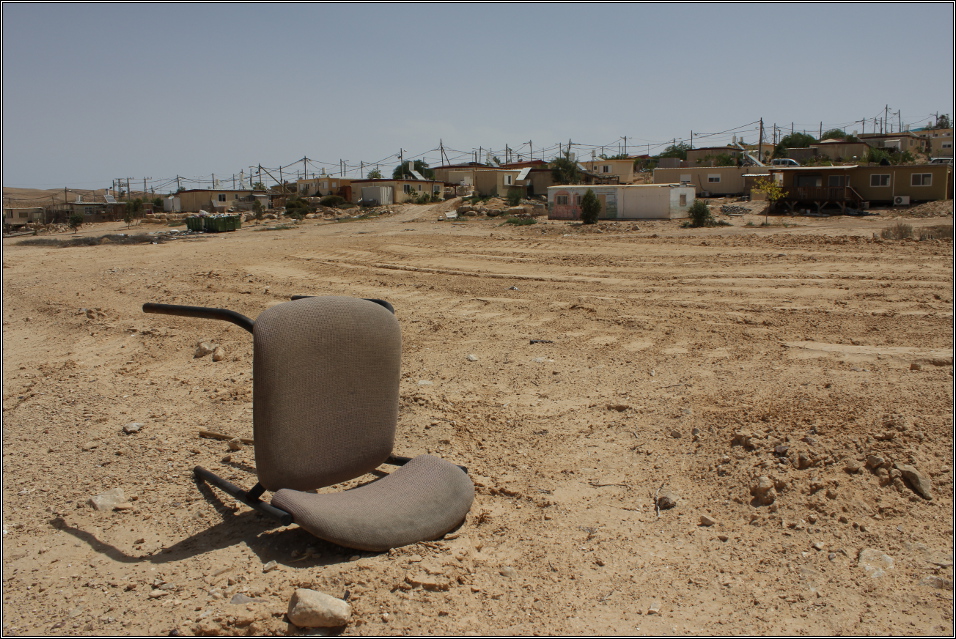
(937, 232)
(332, 200)
(514, 196)
(898, 231)
(76, 221)
(700, 214)
(590, 207)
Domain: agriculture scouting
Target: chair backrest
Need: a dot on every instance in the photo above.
(326, 374)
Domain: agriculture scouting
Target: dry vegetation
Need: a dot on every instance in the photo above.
(778, 384)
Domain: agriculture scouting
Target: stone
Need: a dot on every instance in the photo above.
(935, 581)
(240, 598)
(916, 366)
(667, 499)
(218, 354)
(425, 581)
(675, 434)
(874, 461)
(763, 491)
(270, 566)
(507, 571)
(235, 444)
(132, 427)
(472, 358)
(108, 500)
(917, 480)
(203, 349)
(313, 609)
(874, 562)
(706, 520)
(853, 466)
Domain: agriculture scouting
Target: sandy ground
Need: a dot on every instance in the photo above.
(679, 362)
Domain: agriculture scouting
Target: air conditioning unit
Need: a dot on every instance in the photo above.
(901, 200)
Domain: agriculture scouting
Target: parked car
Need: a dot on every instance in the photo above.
(784, 162)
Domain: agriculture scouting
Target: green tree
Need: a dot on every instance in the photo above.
(297, 208)
(793, 141)
(678, 150)
(773, 191)
(401, 171)
(76, 221)
(943, 122)
(564, 170)
(374, 174)
(590, 207)
(258, 186)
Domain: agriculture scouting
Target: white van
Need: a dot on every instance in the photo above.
(784, 162)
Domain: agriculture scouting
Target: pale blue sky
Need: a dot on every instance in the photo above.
(93, 92)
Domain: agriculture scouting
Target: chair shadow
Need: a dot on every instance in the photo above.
(266, 538)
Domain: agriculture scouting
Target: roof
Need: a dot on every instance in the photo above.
(813, 168)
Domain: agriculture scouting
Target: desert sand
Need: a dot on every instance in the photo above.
(788, 389)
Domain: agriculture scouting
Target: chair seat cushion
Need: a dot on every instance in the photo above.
(419, 501)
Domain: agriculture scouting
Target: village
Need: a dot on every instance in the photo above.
(839, 172)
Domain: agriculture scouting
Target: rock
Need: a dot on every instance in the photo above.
(133, 427)
(916, 366)
(270, 566)
(742, 438)
(935, 581)
(874, 562)
(218, 354)
(472, 358)
(874, 461)
(763, 491)
(667, 500)
(108, 500)
(654, 609)
(203, 349)
(425, 581)
(675, 434)
(853, 466)
(240, 598)
(235, 444)
(706, 520)
(919, 482)
(818, 545)
(313, 609)
(508, 571)
(156, 593)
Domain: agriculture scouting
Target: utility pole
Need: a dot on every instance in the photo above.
(760, 142)
(625, 145)
(531, 146)
(886, 115)
(692, 139)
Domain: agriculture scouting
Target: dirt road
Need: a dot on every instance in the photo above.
(780, 382)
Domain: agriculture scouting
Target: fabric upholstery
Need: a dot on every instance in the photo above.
(325, 394)
(419, 501)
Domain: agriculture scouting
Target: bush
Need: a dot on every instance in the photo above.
(76, 221)
(332, 201)
(700, 214)
(937, 232)
(898, 231)
(590, 207)
(514, 196)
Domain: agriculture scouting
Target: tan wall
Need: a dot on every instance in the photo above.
(901, 182)
(415, 188)
(624, 169)
(941, 147)
(324, 184)
(907, 141)
(845, 151)
(731, 178)
(493, 181)
(194, 201)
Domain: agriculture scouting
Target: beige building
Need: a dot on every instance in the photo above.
(902, 141)
(622, 168)
(834, 150)
(402, 190)
(940, 142)
(853, 185)
(711, 181)
(195, 200)
(321, 185)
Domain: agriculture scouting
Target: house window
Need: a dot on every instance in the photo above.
(921, 179)
(685, 177)
(683, 199)
(880, 179)
(834, 181)
(407, 188)
(561, 200)
(606, 169)
(713, 179)
(947, 145)
(222, 197)
(509, 180)
(88, 210)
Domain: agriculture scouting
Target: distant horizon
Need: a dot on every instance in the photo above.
(211, 91)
